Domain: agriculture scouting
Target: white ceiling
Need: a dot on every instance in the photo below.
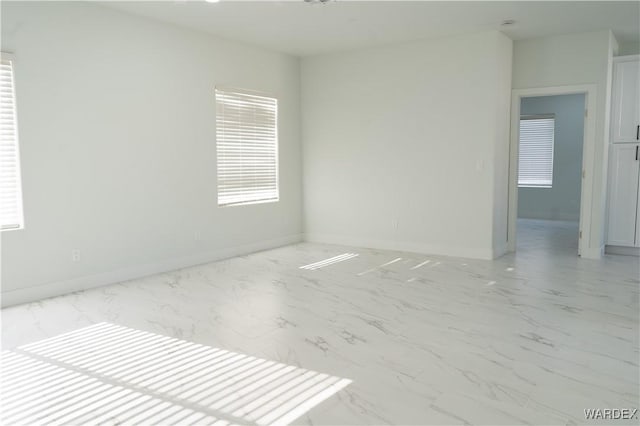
(304, 29)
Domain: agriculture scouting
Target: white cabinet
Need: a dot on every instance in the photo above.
(625, 108)
(623, 228)
(624, 190)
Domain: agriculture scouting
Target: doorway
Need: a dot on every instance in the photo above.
(549, 172)
(551, 158)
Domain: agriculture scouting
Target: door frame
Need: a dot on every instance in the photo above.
(588, 158)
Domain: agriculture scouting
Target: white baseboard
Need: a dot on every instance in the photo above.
(592, 252)
(43, 291)
(625, 251)
(471, 253)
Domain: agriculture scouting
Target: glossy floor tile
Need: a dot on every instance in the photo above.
(535, 337)
(110, 374)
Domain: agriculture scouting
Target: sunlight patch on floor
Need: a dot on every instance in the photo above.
(110, 374)
(330, 261)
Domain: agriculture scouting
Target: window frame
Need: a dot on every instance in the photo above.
(524, 117)
(276, 150)
(9, 56)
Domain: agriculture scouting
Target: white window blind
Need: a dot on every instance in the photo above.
(10, 186)
(247, 147)
(535, 159)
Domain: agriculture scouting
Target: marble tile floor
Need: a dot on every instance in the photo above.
(534, 337)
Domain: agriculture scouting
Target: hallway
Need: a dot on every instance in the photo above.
(551, 236)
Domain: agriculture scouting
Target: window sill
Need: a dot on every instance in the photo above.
(15, 228)
(248, 203)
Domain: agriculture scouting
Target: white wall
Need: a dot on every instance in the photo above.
(562, 200)
(629, 48)
(117, 133)
(572, 60)
(406, 146)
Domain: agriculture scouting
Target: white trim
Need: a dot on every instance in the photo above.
(588, 159)
(471, 253)
(623, 251)
(34, 293)
(593, 252)
(626, 58)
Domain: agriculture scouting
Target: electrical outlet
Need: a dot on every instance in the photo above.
(75, 255)
(394, 223)
(197, 236)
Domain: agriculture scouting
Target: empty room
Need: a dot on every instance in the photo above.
(320, 212)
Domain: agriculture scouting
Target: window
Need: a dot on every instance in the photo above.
(535, 164)
(10, 186)
(247, 147)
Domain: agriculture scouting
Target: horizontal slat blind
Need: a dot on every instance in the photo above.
(535, 164)
(10, 190)
(247, 147)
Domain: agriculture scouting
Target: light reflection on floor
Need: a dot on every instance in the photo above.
(330, 261)
(110, 374)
